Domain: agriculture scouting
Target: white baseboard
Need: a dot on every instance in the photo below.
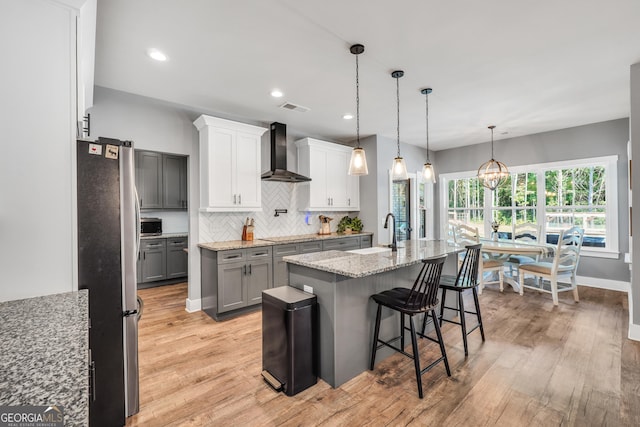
(193, 305)
(634, 332)
(594, 282)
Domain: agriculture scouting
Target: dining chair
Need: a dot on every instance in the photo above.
(466, 279)
(563, 265)
(526, 232)
(421, 298)
(464, 235)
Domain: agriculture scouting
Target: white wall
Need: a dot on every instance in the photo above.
(37, 115)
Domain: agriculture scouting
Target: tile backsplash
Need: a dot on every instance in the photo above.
(223, 226)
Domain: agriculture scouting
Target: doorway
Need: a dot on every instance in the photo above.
(411, 202)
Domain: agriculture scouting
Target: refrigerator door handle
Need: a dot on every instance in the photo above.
(138, 221)
(140, 307)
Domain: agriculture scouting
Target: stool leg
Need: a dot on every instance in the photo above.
(402, 331)
(463, 323)
(440, 341)
(416, 355)
(424, 322)
(375, 337)
(444, 294)
(475, 298)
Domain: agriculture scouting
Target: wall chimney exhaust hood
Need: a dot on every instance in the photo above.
(279, 170)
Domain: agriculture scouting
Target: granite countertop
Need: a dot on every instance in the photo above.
(361, 265)
(269, 241)
(234, 244)
(165, 236)
(44, 353)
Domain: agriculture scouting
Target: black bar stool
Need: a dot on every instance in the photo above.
(421, 298)
(467, 278)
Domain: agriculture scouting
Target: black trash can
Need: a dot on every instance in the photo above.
(289, 339)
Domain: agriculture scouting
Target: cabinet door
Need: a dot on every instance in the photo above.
(318, 197)
(337, 174)
(176, 258)
(230, 286)
(174, 181)
(247, 171)
(258, 279)
(153, 262)
(280, 271)
(221, 169)
(149, 179)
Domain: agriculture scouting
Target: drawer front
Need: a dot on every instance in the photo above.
(235, 255)
(151, 244)
(176, 242)
(341, 244)
(365, 241)
(311, 247)
(284, 250)
(259, 253)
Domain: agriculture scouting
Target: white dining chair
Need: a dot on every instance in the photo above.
(563, 265)
(526, 232)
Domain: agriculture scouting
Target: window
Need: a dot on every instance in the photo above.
(466, 202)
(555, 195)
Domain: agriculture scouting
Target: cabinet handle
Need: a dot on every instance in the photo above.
(144, 255)
(249, 268)
(235, 199)
(232, 257)
(349, 202)
(239, 199)
(244, 269)
(329, 201)
(260, 254)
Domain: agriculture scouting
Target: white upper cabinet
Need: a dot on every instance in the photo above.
(229, 165)
(331, 187)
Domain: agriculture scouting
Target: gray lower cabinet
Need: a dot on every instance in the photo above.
(366, 241)
(234, 279)
(177, 261)
(154, 254)
(160, 259)
(343, 244)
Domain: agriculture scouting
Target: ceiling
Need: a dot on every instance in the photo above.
(526, 67)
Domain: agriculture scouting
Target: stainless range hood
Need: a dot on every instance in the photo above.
(279, 170)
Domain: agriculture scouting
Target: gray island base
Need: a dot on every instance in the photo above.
(343, 283)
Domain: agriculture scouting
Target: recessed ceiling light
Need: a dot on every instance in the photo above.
(348, 116)
(276, 93)
(156, 54)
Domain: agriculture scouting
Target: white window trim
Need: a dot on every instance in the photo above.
(609, 162)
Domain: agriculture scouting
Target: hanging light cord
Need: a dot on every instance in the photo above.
(427, 117)
(398, 108)
(357, 104)
(492, 158)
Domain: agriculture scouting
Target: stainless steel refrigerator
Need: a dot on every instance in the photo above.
(108, 241)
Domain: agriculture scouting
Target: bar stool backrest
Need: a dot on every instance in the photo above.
(468, 271)
(424, 292)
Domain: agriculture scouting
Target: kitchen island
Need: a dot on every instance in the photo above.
(343, 283)
(44, 354)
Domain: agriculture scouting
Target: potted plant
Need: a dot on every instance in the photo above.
(349, 225)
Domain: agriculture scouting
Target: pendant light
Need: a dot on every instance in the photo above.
(358, 163)
(492, 173)
(399, 168)
(428, 173)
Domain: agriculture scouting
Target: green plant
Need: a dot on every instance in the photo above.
(355, 224)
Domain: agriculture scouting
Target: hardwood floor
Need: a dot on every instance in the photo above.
(570, 365)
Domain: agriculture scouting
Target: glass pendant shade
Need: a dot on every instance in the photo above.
(492, 173)
(428, 174)
(358, 163)
(399, 169)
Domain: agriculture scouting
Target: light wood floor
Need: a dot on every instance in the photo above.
(570, 365)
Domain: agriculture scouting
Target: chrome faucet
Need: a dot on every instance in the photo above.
(393, 245)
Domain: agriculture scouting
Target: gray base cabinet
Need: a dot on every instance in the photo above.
(162, 259)
(154, 254)
(177, 261)
(234, 279)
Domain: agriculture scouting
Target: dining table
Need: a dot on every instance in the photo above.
(502, 249)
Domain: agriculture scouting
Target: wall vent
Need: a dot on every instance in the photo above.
(294, 107)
